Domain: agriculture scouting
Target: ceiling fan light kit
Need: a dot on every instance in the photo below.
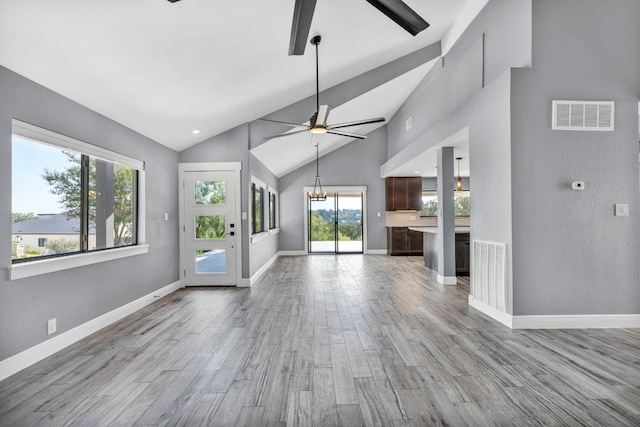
(318, 123)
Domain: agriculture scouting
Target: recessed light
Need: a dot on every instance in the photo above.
(195, 131)
(416, 172)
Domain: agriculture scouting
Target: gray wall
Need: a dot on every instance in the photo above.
(472, 89)
(355, 164)
(262, 250)
(81, 294)
(571, 254)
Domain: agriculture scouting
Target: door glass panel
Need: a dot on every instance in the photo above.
(322, 231)
(350, 222)
(211, 261)
(210, 192)
(210, 227)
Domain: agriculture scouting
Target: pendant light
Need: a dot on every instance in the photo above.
(459, 179)
(317, 195)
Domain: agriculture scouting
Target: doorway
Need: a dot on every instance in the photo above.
(336, 225)
(210, 230)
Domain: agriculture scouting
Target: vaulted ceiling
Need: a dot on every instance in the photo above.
(166, 69)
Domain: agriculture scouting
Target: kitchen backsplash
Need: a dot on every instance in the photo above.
(413, 219)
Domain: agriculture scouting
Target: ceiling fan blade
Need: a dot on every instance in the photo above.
(281, 123)
(285, 134)
(349, 134)
(302, 16)
(356, 123)
(323, 115)
(401, 14)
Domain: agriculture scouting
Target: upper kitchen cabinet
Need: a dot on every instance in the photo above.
(403, 193)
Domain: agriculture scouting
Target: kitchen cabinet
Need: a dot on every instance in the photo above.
(463, 254)
(402, 241)
(403, 193)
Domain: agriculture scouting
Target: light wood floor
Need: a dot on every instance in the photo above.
(330, 340)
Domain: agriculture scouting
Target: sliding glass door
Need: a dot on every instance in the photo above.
(335, 224)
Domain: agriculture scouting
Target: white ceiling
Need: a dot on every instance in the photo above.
(165, 69)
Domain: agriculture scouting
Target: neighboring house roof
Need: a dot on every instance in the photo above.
(49, 224)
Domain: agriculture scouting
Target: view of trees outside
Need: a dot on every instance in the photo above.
(210, 193)
(461, 205)
(349, 225)
(110, 184)
(43, 169)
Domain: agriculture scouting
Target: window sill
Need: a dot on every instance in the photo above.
(35, 268)
(257, 237)
(274, 231)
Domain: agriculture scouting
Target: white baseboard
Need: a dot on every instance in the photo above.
(45, 349)
(376, 252)
(258, 274)
(571, 321)
(293, 253)
(504, 318)
(580, 321)
(447, 280)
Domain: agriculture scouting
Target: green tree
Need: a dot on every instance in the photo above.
(67, 184)
(321, 230)
(462, 206)
(61, 246)
(19, 217)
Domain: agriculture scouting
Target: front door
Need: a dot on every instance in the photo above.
(211, 230)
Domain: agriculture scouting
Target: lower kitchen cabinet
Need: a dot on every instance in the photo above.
(402, 241)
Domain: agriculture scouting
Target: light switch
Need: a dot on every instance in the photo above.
(166, 216)
(622, 209)
(244, 215)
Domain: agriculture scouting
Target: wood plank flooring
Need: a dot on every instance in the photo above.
(330, 340)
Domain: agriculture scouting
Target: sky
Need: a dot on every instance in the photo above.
(29, 191)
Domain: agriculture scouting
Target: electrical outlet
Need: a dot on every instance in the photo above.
(51, 326)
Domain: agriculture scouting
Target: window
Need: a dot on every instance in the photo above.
(257, 206)
(461, 203)
(82, 197)
(273, 210)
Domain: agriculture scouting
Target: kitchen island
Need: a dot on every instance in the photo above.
(430, 248)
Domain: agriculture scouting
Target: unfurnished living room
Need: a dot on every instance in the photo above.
(317, 212)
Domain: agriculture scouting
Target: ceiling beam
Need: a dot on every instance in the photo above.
(302, 17)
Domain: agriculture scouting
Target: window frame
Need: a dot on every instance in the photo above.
(44, 265)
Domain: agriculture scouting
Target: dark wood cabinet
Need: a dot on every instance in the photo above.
(403, 193)
(402, 241)
(463, 254)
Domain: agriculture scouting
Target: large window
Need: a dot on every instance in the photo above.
(273, 210)
(69, 197)
(257, 208)
(461, 203)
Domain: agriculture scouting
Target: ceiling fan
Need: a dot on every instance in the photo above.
(397, 10)
(318, 123)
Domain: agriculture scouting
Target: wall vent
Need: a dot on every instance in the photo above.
(488, 274)
(582, 115)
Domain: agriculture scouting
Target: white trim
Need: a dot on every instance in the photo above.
(258, 274)
(255, 238)
(211, 167)
(293, 253)
(36, 353)
(504, 318)
(245, 283)
(274, 231)
(571, 321)
(41, 135)
(579, 321)
(447, 280)
(375, 252)
(50, 265)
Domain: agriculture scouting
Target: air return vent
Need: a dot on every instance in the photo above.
(488, 276)
(582, 115)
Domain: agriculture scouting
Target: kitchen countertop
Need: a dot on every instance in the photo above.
(434, 230)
